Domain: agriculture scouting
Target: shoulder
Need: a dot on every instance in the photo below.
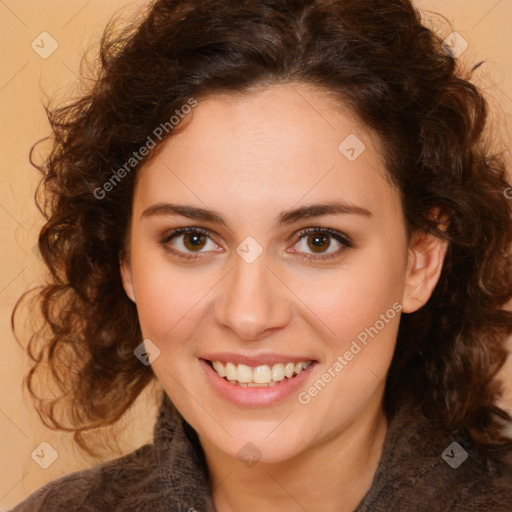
(424, 468)
(465, 479)
(481, 487)
(81, 489)
(430, 483)
(484, 495)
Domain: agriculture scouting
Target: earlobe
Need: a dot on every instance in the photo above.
(125, 269)
(424, 266)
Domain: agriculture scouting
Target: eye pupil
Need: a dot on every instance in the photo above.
(193, 240)
(319, 242)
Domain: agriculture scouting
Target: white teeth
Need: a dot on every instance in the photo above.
(289, 369)
(277, 372)
(219, 368)
(243, 373)
(260, 376)
(230, 371)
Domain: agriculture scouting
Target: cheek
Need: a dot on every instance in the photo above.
(358, 317)
(170, 299)
(167, 302)
(353, 298)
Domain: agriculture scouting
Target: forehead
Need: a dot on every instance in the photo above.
(277, 146)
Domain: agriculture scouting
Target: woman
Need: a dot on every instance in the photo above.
(286, 212)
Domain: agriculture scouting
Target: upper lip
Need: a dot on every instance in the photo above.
(255, 360)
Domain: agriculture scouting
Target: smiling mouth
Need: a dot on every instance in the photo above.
(259, 376)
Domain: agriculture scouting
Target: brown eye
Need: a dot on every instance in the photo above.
(319, 241)
(183, 242)
(193, 241)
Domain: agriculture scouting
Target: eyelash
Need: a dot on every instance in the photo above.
(339, 237)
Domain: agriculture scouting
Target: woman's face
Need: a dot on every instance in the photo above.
(263, 282)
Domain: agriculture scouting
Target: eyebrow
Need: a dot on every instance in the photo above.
(285, 217)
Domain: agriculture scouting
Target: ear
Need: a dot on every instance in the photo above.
(125, 269)
(424, 266)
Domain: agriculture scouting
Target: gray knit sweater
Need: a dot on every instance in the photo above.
(416, 473)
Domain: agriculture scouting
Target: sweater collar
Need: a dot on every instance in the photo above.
(183, 472)
(180, 462)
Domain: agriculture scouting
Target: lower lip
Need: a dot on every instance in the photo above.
(255, 396)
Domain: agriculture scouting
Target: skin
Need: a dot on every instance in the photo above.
(250, 157)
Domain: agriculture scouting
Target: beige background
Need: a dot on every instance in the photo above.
(25, 79)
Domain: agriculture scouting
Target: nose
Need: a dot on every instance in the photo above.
(252, 301)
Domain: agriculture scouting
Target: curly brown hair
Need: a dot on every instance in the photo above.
(395, 74)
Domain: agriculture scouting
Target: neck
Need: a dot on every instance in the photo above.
(332, 475)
